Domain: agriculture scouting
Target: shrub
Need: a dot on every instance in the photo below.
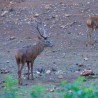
(77, 90)
(74, 89)
(37, 91)
(10, 91)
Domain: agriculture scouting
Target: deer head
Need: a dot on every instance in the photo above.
(43, 37)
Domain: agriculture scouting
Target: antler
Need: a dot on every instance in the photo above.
(41, 23)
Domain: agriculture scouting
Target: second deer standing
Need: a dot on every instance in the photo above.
(92, 23)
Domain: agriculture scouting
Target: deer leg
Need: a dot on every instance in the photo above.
(32, 70)
(28, 70)
(20, 67)
(89, 36)
(19, 73)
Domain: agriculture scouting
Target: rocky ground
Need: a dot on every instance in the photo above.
(64, 22)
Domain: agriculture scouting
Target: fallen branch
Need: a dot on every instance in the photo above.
(70, 24)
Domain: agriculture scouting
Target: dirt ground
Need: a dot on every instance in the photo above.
(65, 23)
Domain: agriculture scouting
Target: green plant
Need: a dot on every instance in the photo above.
(76, 90)
(10, 91)
(37, 91)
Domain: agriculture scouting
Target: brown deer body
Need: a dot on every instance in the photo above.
(29, 53)
(92, 23)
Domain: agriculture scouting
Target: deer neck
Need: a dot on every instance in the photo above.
(39, 47)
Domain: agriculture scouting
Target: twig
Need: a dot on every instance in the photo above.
(68, 15)
(70, 24)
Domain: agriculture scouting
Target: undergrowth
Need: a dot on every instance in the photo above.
(74, 89)
(10, 90)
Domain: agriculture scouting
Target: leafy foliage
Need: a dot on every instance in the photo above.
(74, 89)
(10, 91)
(37, 91)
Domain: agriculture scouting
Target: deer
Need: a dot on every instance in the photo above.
(92, 24)
(28, 54)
